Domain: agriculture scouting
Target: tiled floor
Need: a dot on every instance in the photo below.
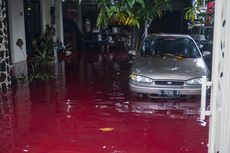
(88, 109)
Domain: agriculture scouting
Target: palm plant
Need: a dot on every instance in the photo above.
(42, 58)
(134, 13)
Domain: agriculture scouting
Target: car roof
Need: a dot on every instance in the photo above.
(170, 35)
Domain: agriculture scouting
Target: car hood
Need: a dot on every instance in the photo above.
(170, 67)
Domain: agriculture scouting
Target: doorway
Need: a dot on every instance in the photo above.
(32, 22)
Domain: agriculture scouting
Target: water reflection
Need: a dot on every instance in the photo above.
(166, 107)
(7, 124)
(89, 93)
(105, 84)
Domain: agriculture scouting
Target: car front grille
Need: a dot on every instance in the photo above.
(168, 83)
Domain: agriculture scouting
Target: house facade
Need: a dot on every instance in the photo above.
(15, 31)
(13, 56)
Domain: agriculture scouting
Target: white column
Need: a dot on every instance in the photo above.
(17, 30)
(46, 19)
(219, 133)
(79, 18)
(59, 21)
(45, 13)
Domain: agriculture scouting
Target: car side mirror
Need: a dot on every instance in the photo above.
(200, 46)
(206, 53)
(132, 54)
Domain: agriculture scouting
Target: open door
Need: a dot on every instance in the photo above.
(32, 21)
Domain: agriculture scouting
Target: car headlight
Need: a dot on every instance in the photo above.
(196, 81)
(141, 79)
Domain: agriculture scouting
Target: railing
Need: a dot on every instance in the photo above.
(203, 110)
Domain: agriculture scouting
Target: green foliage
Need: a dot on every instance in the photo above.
(192, 12)
(40, 75)
(130, 12)
(42, 59)
(196, 13)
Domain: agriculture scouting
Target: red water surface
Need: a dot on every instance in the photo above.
(88, 109)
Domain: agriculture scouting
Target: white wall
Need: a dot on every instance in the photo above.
(59, 21)
(219, 133)
(45, 13)
(46, 19)
(17, 30)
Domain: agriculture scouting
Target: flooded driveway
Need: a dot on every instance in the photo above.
(88, 109)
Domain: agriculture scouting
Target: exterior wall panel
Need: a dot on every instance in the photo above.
(17, 30)
(219, 135)
(4, 51)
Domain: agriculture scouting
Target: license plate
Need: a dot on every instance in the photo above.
(169, 93)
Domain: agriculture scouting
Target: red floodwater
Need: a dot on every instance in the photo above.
(88, 109)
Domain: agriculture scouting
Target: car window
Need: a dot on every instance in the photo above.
(147, 47)
(170, 45)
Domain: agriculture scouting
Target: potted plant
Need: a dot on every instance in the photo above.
(42, 58)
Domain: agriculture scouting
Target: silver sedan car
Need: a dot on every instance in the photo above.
(168, 65)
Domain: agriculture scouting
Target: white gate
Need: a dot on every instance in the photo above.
(219, 130)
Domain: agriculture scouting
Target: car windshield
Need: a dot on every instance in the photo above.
(173, 46)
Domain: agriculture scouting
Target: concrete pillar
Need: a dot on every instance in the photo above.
(219, 133)
(59, 21)
(4, 49)
(45, 13)
(17, 30)
(46, 18)
(79, 18)
(17, 37)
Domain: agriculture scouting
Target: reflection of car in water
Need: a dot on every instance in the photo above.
(168, 65)
(172, 107)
